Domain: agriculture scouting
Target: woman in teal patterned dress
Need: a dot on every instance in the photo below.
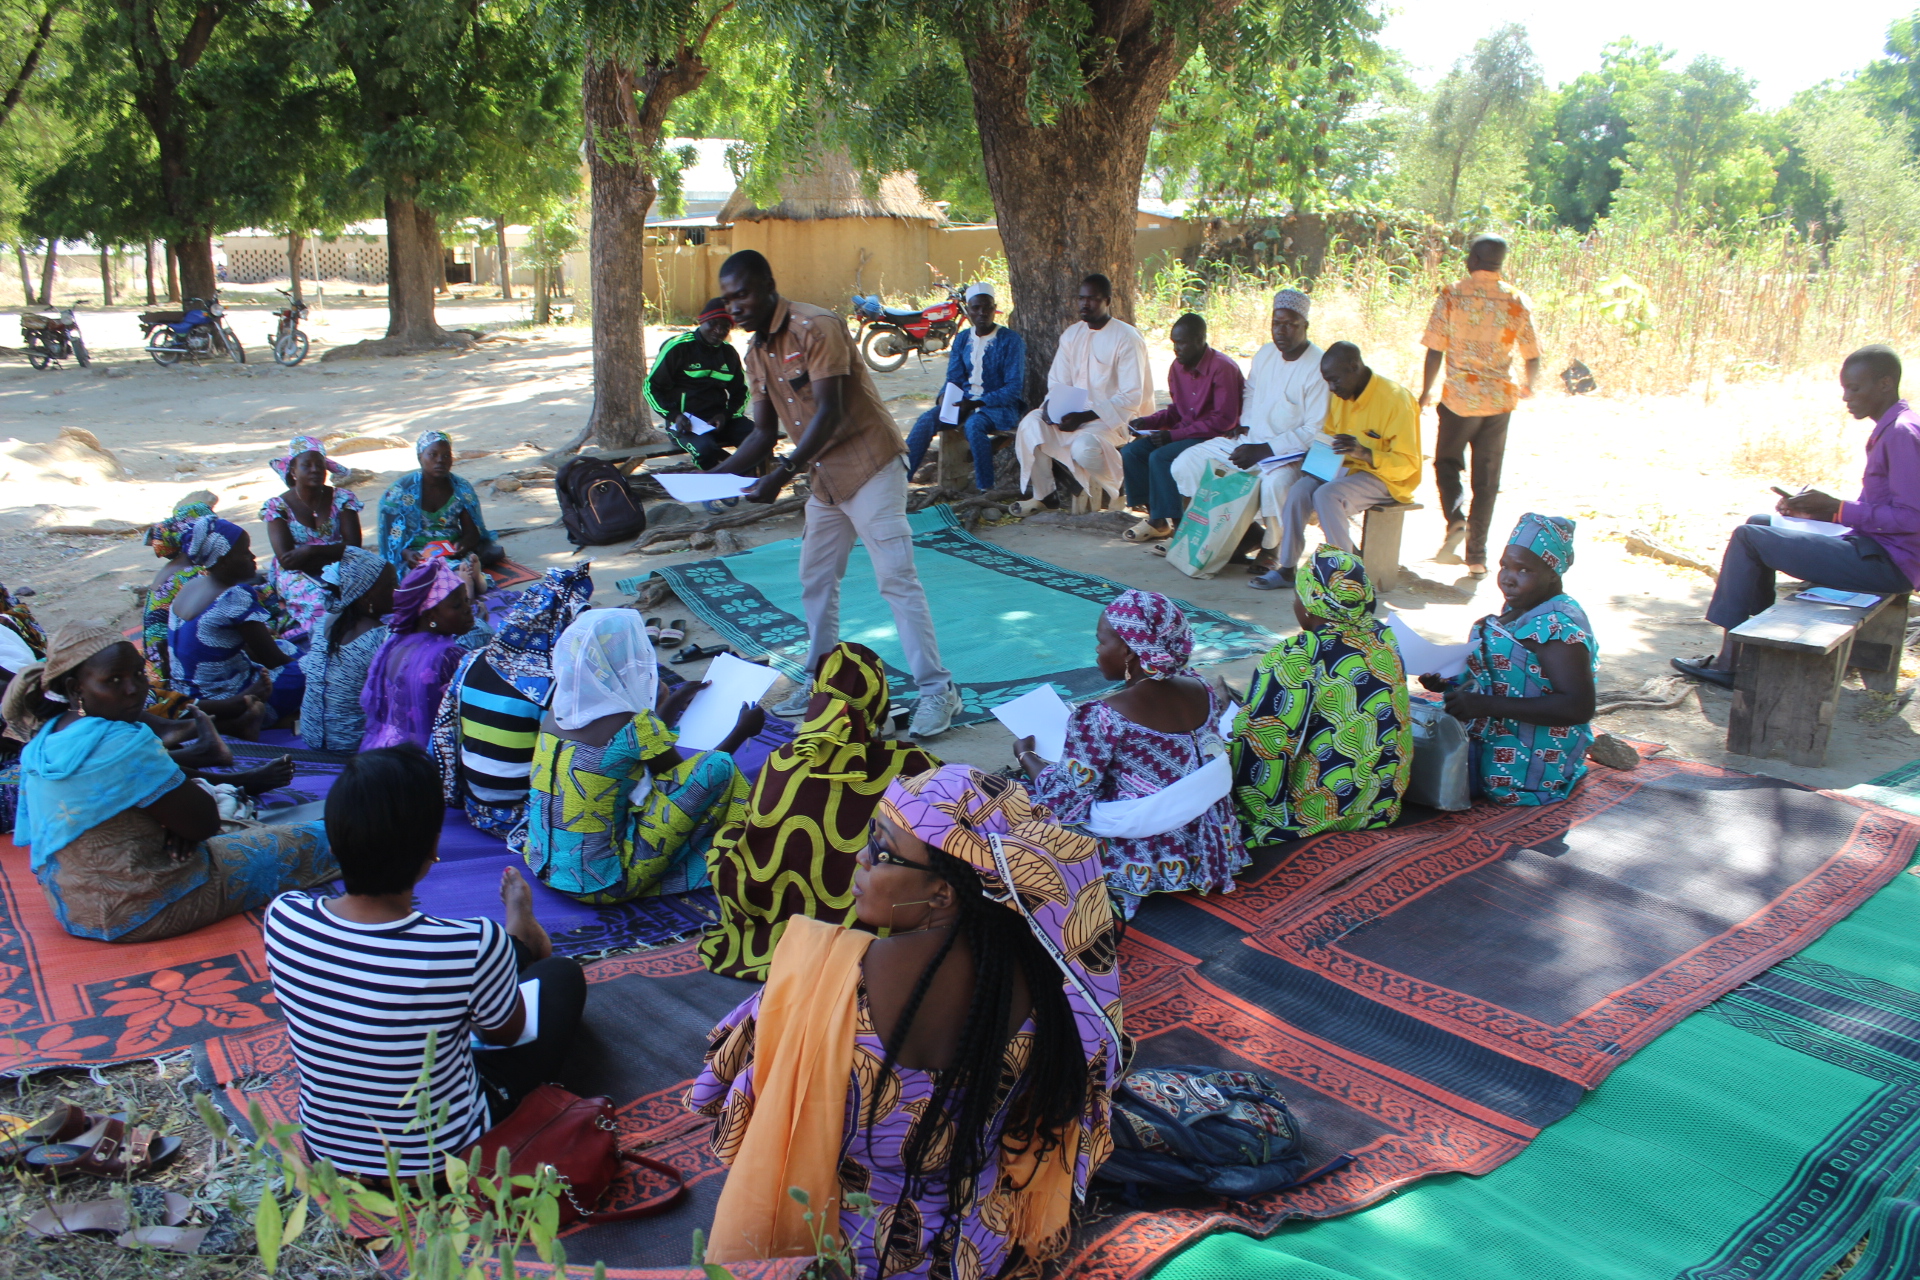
(1527, 694)
(1326, 740)
(432, 511)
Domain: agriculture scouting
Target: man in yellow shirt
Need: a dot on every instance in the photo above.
(1375, 425)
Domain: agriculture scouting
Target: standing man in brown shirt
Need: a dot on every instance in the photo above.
(805, 376)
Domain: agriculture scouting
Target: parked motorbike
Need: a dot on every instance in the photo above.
(200, 330)
(51, 338)
(888, 335)
(289, 344)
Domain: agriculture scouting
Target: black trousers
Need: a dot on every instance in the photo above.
(1487, 437)
(511, 1074)
(710, 450)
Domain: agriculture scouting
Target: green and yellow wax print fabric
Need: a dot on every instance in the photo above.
(1325, 742)
(808, 818)
(588, 836)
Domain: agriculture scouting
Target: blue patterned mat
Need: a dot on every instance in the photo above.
(1007, 623)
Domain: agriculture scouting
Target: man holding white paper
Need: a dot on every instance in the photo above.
(1285, 408)
(983, 395)
(806, 376)
(699, 387)
(1881, 553)
(1375, 428)
(1104, 360)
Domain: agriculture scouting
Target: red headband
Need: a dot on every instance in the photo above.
(718, 313)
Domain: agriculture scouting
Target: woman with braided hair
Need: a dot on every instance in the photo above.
(954, 1073)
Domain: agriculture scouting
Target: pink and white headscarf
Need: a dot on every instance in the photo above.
(423, 588)
(1154, 628)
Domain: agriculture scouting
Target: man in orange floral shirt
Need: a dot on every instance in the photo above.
(1476, 325)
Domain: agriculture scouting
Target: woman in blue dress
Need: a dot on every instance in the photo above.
(222, 652)
(433, 512)
(1527, 693)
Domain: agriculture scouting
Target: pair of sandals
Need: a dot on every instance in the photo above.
(699, 652)
(671, 634)
(147, 1218)
(70, 1140)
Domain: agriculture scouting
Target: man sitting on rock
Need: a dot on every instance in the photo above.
(1878, 553)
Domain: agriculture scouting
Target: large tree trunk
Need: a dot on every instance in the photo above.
(48, 266)
(153, 298)
(505, 262)
(106, 278)
(173, 274)
(1067, 193)
(26, 274)
(624, 113)
(198, 279)
(293, 262)
(415, 269)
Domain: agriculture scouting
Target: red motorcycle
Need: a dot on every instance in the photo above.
(888, 335)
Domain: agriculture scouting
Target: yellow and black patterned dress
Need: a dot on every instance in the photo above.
(1326, 740)
(808, 817)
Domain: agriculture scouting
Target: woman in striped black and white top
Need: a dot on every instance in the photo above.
(366, 981)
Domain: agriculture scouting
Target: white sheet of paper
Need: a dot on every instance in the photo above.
(1422, 656)
(1826, 527)
(1320, 461)
(950, 398)
(1062, 401)
(700, 425)
(1833, 595)
(1224, 725)
(731, 683)
(530, 995)
(1040, 714)
(698, 487)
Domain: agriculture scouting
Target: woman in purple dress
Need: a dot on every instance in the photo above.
(432, 610)
(1155, 742)
(966, 1059)
(309, 525)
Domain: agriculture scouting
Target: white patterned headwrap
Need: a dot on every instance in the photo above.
(1292, 300)
(975, 290)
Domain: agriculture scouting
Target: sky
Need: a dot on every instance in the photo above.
(1783, 48)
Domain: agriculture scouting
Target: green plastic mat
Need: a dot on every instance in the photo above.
(1896, 789)
(1006, 623)
(1762, 1138)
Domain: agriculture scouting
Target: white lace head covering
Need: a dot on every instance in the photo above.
(603, 663)
(975, 290)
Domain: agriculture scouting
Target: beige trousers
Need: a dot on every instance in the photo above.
(1091, 454)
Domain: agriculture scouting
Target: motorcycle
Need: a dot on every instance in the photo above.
(201, 329)
(887, 335)
(289, 345)
(51, 338)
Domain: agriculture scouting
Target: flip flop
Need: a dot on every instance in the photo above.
(653, 629)
(1146, 531)
(674, 632)
(64, 1123)
(148, 1205)
(694, 653)
(224, 1235)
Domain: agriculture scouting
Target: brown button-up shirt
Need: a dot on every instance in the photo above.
(805, 342)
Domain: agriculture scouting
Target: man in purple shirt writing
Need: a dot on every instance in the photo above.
(1881, 554)
(1205, 388)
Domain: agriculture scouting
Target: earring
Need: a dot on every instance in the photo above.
(79, 707)
(432, 625)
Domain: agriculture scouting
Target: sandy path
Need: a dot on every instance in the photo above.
(1613, 464)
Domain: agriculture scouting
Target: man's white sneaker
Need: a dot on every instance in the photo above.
(933, 715)
(794, 705)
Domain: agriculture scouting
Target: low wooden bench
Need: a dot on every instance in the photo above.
(1788, 665)
(1380, 531)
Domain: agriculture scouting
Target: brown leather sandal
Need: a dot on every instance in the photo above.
(109, 1150)
(148, 1205)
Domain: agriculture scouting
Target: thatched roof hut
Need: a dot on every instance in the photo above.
(833, 189)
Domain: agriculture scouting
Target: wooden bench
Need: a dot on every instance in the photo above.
(1380, 531)
(1788, 665)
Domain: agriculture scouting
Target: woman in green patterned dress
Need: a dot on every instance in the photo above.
(1326, 740)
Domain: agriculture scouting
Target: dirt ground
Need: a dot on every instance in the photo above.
(1685, 468)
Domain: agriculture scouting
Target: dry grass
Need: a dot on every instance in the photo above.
(210, 1173)
(1649, 311)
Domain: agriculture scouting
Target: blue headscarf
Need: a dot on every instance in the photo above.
(76, 778)
(210, 538)
(1549, 537)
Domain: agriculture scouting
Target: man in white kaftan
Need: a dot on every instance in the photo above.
(1284, 409)
(1106, 358)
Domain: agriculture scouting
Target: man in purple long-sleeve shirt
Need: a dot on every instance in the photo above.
(1881, 555)
(1205, 388)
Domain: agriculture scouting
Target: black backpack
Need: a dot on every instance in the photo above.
(595, 503)
(1225, 1133)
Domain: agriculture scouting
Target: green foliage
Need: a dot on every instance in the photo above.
(1465, 155)
(1577, 155)
(1279, 137)
(1892, 84)
(1874, 179)
(1690, 159)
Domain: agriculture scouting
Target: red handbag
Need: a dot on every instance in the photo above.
(578, 1137)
